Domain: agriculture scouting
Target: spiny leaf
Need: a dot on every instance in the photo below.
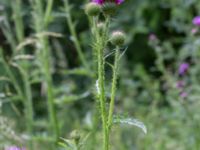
(130, 121)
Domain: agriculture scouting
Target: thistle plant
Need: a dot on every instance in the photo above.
(100, 32)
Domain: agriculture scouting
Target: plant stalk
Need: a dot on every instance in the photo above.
(113, 87)
(74, 36)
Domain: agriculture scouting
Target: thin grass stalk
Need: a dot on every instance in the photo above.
(48, 12)
(74, 35)
(28, 103)
(40, 26)
(18, 20)
(49, 86)
(11, 75)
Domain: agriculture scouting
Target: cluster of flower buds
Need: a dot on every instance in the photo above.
(108, 8)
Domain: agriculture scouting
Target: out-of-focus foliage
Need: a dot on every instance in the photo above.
(147, 84)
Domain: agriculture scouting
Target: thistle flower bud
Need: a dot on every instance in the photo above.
(118, 38)
(109, 8)
(92, 9)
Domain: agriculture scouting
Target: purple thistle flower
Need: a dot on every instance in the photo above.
(100, 2)
(183, 68)
(15, 148)
(196, 21)
(119, 1)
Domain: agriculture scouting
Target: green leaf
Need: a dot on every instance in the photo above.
(131, 121)
(69, 143)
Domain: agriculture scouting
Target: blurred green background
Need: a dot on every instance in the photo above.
(147, 81)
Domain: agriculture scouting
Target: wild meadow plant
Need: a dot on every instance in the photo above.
(101, 35)
(38, 93)
(21, 57)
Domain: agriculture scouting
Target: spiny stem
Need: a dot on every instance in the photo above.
(113, 88)
(99, 46)
(101, 76)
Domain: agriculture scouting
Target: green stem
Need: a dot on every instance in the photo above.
(19, 28)
(49, 86)
(48, 12)
(10, 74)
(100, 44)
(74, 35)
(114, 87)
(27, 97)
(40, 25)
(101, 75)
(28, 105)
(18, 20)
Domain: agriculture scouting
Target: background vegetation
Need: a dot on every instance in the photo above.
(40, 63)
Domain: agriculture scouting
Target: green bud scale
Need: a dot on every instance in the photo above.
(109, 8)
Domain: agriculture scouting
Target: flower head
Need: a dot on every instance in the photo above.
(183, 68)
(196, 21)
(101, 2)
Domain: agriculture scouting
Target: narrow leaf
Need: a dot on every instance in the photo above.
(131, 121)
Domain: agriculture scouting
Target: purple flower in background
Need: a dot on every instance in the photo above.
(183, 68)
(194, 30)
(180, 84)
(15, 148)
(152, 37)
(196, 21)
(100, 2)
(119, 1)
(183, 94)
